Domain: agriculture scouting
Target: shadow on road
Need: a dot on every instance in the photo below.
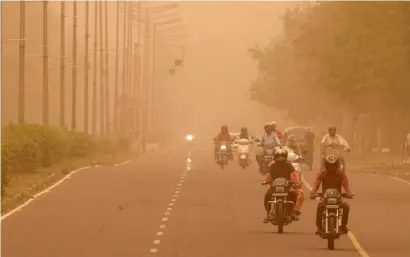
(260, 232)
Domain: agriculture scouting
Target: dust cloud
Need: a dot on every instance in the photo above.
(211, 89)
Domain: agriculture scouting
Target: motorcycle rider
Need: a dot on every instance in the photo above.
(278, 132)
(280, 168)
(332, 177)
(292, 145)
(268, 138)
(223, 136)
(332, 139)
(244, 133)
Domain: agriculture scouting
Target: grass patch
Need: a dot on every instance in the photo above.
(24, 185)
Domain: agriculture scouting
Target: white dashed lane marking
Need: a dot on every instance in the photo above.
(169, 209)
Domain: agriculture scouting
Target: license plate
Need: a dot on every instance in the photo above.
(332, 206)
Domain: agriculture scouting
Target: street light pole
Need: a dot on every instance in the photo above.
(146, 78)
(74, 74)
(107, 81)
(45, 64)
(116, 69)
(101, 70)
(86, 65)
(21, 109)
(62, 65)
(94, 123)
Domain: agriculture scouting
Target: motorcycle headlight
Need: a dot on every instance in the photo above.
(331, 201)
(279, 189)
(223, 147)
(189, 137)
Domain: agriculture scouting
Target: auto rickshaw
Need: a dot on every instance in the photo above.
(305, 138)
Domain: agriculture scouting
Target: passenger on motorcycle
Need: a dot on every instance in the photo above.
(332, 177)
(281, 168)
(223, 136)
(333, 140)
(244, 134)
(278, 132)
(267, 139)
(292, 145)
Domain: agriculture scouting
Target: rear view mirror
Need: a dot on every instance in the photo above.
(305, 151)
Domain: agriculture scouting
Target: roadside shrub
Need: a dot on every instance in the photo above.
(80, 144)
(24, 147)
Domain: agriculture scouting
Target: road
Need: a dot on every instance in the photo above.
(156, 206)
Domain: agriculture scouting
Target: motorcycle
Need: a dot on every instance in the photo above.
(243, 152)
(268, 156)
(282, 204)
(223, 155)
(332, 216)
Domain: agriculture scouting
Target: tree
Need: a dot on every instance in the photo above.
(335, 58)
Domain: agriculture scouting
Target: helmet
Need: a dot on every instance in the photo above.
(331, 159)
(281, 155)
(331, 162)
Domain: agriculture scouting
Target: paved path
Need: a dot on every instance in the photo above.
(156, 206)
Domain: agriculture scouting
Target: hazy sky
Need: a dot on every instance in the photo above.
(212, 88)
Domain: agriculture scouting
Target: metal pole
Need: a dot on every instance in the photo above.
(153, 81)
(146, 79)
(45, 64)
(124, 55)
(147, 70)
(62, 66)
(86, 65)
(139, 85)
(130, 50)
(101, 71)
(21, 99)
(107, 80)
(116, 69)
(74, 74)
(94, 123)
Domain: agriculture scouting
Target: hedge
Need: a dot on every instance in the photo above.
(26, 147)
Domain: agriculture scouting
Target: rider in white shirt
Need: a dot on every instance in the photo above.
(333, 140)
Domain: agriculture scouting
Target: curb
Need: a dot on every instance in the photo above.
(49, 188)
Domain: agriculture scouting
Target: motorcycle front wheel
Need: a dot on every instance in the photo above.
(280, 217)
(332, 233)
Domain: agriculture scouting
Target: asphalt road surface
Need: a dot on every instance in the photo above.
(158, 206)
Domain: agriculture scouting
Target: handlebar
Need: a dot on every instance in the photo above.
(344, 195)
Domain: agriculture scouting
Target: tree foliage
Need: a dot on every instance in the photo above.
(335, 58)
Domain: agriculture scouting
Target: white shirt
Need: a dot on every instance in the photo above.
(338, 140)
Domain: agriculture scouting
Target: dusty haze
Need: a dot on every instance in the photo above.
(212, 89)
